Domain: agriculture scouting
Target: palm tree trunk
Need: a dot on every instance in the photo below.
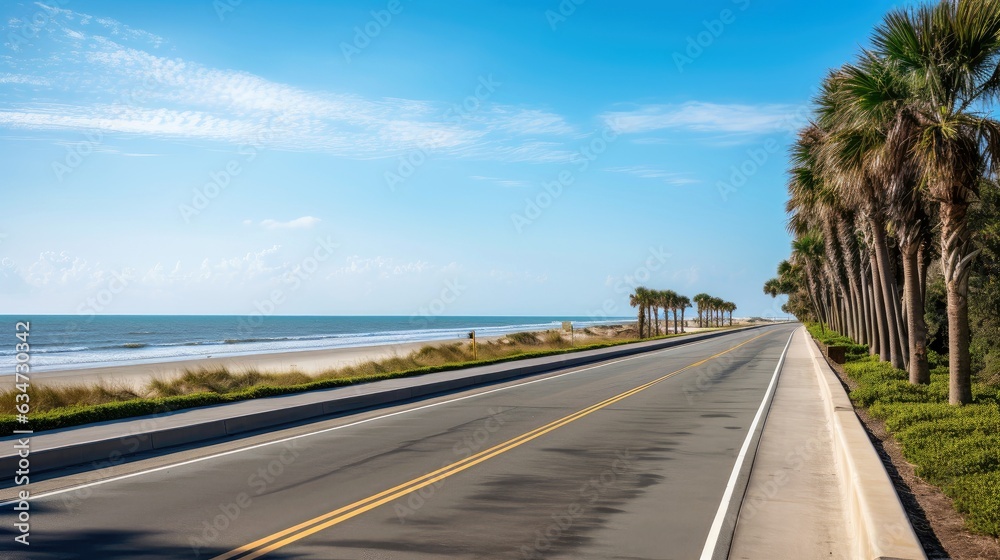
(682, 320)
(871, 323)
(890, 302)
(919, 369)
(880, 310)
(867, 315)
(956, 257)
(874, 332)
(855, 310)
(924, 262)
(642, 318)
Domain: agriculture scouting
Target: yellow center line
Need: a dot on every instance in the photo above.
(327, 520)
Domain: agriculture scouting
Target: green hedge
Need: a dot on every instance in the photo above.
(954, 448)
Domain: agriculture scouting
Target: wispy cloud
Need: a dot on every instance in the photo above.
(698, 116)
(535, 122)
(646, 172)
(6, 78)
(501, 182)
(65, 270)
(105, 75)
(304, 222)
(382, 267)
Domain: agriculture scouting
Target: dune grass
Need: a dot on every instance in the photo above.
(69, 405)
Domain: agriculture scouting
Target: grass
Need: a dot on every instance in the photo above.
(71, 405)
(954, 448)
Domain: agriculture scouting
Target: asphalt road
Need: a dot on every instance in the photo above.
(628, 459)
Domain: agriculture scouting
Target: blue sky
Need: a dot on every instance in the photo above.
(397, 157)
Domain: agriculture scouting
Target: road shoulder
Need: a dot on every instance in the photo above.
(793, 506)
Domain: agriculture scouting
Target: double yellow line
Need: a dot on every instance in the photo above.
(283, 538)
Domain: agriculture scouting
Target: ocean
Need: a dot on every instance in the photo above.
(79, 341)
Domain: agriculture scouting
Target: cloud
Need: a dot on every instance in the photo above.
(381, 267)
(645, 172)
(535, 122)
(501, 182)
(304, 222)
(698, 116)
(100, 74)
(6, 78)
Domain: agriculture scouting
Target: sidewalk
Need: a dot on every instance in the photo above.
(792, 508)
(817, 488)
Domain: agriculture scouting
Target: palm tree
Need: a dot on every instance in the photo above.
(637, 299)
(878, 96)
(717, 304)
(949, 53)
(655, 300)
(807, 252)
(701, 300)
(683, 302)
(850, 159)
(669, 302)
(730, 307)
(790, 282)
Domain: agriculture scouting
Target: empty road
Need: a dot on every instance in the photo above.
(626, 459)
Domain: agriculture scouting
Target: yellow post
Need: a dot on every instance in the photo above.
(475, 351)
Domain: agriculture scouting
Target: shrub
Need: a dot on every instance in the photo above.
(955, 448)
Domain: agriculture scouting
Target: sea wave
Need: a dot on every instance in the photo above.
(101, 348)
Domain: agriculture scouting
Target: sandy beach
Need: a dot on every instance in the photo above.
(306, 361)
(310, 362)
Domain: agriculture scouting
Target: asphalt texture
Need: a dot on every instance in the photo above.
(530, 469)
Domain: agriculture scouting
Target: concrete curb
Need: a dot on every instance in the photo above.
(876, 520)
(111, 450)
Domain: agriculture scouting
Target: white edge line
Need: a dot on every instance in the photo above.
(714, 533)
(334, 428)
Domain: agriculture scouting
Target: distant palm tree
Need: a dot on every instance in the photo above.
(683, 302)
(669, 304)
(637, 300)
(655, 298)
(701, 300)
(730, 307)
